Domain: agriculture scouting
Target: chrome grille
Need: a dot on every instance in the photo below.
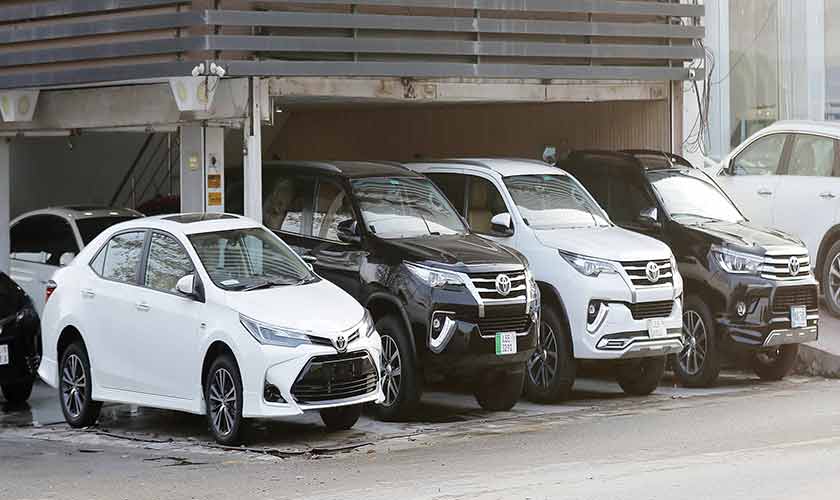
(647, 310)
(485, 286)
(776, 266)
(789, 296)
(637, 271)
(334, 377)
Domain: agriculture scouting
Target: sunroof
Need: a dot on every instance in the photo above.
(198, 217)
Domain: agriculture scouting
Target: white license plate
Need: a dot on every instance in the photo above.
(656, 328)
(798, 317)
(505, 343)
(4, 354)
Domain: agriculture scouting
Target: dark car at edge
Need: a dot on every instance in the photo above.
(751, 296)
(448, 304)
(20, 342)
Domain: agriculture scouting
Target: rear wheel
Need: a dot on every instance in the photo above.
(18, 393)
(775, 364)
(399, 378)
(500, 390)
(698, 364)
(551, 369)
(223, 397)
(641, 377)
(75, 388)
(341, 418)
(831, 279)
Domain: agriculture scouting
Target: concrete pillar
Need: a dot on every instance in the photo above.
(5, 202)
(252, 163)
(717, 40)
(214, 166)
(192, 168)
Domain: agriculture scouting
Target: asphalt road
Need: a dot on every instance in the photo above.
(742, 440)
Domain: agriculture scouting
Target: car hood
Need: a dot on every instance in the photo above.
(609, 243)
(745, 235)
(320, 308)
(456, 252)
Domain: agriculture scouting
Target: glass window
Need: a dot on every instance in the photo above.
(811, 155)
(593, 177)
(405, 207)
(832, 59)
(42, 239)
(692, 196)
(554, 201)
(332, 207)
(285, 203)
(628, 197)
(167, 263)
(247, 259)
(122, 257)
(91, 227)
(485, 201)
(762, 157)
(454, 186)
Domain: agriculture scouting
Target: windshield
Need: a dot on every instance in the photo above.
(405, 207)
(90, 228)
(686, 196)
(554, 201)
(247, 259)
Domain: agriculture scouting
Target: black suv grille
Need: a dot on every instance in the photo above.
(485, 284)
(794, 296)
(647, 310)
(637, 270)
(337, 376)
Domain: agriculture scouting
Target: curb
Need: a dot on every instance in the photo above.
(816, 362)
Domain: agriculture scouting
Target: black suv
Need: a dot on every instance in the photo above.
(447, 303)
(750, 292)
(20, 342)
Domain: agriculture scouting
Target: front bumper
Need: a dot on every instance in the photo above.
(21, 339)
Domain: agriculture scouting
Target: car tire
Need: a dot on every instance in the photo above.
(75, 387)
(776, 364)
(640, 377)
(830, 279)
(698, 364)
(500, 390)
(400, 381)
(551, 371)
(19, 392)
(223, 408)
(341, 418)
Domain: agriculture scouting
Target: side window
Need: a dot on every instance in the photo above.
(454, 186)
(762, 157)
(628, 198)
(286, 202)
(122, 257)
(812, 155)
(167, 263)
(332, 207)
(42, 239)
(485, 201)
(594, 179)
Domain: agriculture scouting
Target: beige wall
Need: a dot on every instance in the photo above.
(522, 130)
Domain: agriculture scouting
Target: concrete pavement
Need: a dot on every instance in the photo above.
(822, 358)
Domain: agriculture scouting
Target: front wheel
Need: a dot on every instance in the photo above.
(551, 369)
(342, 417)
(640, 377)
(223, 397)
(399, 377)
(830, 279)
(75, 388)
(19, 392)
(500, 391)
(698, 364)
(775, 364)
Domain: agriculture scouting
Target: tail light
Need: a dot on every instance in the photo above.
(51, 286)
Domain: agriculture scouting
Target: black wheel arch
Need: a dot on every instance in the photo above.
(381, 304)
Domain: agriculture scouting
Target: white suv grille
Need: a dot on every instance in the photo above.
(637, 271)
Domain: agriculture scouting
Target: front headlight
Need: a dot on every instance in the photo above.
(272, 335)
(366, 327)
(588, 266)
(434, 277)
(735, 262)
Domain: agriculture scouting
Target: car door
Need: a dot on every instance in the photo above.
(37, 244)
(109, 303)
(752, 177)
(166, 324)
(808, 196)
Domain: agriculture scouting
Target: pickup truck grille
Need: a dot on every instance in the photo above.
(648, 310)
(485, 285)
(788, 296)
(334, 377)
(637, 271)
(782, 266)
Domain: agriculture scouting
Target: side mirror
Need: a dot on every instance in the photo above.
(66, 258)
(186, 285)
(649, 217)
(348, 232)
(502, 224)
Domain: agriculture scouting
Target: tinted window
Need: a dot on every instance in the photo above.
(812, 155)
(122, 257)
(90, 228)
(43, 239)
(454, 186)
(553, 201)
(332, 206)
(285, 204)
(594, 179)
(168, 262)
(485, 201)
(628, 197)
(762, 157)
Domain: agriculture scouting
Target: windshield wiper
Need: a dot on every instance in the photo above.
(263, 284)
(428, 228)
(680, 214)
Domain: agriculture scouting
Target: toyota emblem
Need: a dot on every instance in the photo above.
(340, 343)
(793, 266)
(503, 284)
(652, 272)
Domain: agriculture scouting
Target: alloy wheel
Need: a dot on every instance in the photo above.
(834, 280)
(543, 363)
(73, 386)
(695, 340)
(223, 402)
(391, 370)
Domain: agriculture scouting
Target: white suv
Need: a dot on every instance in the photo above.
(209, 314)
(607, 293)
(787, 176)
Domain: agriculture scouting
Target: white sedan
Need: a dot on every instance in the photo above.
(209, 314)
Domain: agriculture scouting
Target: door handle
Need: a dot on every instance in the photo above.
(827, 195)
(88, 293)
(142, 306)
(764, 192)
